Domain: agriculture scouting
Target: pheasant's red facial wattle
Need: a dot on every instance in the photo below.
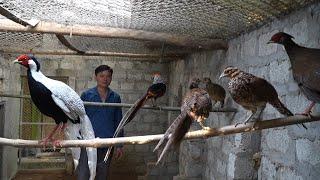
(277, 38)
(23, 60)
(280, 38)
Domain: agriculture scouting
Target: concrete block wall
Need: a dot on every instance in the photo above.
(130, 79)
(9, 82)
(192, 157)
(283, 150)
(287, 152)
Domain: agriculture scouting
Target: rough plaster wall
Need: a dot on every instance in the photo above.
(130, 79)
(192, 156)
(287, 152)
(9, 82)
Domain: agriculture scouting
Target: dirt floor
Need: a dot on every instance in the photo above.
(43, 175)
(58, 174)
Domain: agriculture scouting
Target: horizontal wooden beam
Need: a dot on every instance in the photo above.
(4, 12)
(67, 44)
(110, 32)
(126, 105)
(200, 134)
(152, 57)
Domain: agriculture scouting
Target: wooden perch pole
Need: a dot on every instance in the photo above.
(153, 57)
(125, 105)
(110, 32)
(66, 43)
(16, 19)
(249, 127)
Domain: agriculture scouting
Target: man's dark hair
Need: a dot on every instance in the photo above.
(103, 68)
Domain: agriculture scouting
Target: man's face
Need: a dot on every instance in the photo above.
(103, 79)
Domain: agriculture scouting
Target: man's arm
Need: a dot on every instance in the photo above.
(84, 98)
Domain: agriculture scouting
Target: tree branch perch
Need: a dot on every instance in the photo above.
(226, 130)
(125, 105)
(145, 57)
(111, 32)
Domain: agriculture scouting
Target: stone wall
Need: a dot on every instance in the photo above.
(131, 79)
(9, 82)
(286, 152)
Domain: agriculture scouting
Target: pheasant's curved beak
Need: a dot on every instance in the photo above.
(222, 75)
(16, 61)
(269, 42)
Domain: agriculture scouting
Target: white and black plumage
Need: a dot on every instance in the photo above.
(60, 102)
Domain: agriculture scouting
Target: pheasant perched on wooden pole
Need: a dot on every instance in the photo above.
(196, 106)
(253, 93)
(60, 102)
(156, 90)
(305, 63)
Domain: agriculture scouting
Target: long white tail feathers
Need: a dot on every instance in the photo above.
(71, 132)
(83, 130)
(88, 133)
(86, 128)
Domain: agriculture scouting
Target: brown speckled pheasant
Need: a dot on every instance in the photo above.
(216, 92)
(253, 93)
(305, 64)
(196, 106)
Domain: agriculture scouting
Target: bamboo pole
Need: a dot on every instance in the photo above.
(151, 57)
(67, 44)
(226, 130)
(16, 19)
(110, 32)
(126, 105)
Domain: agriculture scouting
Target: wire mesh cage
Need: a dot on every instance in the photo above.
(218, 19)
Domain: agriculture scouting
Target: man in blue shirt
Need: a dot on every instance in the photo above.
(104, 121)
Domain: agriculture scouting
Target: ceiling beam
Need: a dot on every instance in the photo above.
(109, 32)
(95, 53)
(16, 19)
(66, 43)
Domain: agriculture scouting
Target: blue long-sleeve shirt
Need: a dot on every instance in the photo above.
(104, 120)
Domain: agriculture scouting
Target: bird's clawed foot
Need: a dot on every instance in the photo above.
(56, 143)
(203, 126)
(308, 114)
(206, 128)
(308, 111)
(45, 141)
(305, 113)
(237, 124)
(246, 121)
